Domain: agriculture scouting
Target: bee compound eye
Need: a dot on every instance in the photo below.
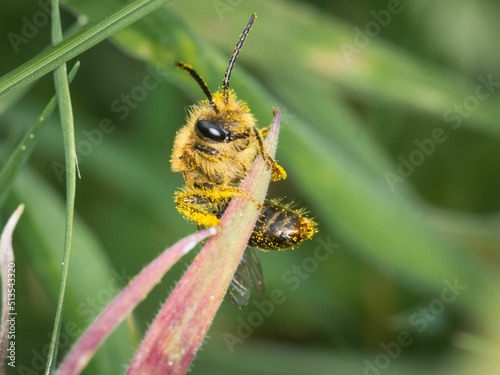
(208, 130)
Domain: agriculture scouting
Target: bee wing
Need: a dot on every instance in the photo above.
(255, 269)
(239, 290)
(248, 275)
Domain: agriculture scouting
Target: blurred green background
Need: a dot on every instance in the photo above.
(390, 138)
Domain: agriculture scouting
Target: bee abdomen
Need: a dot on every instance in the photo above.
(280, 226)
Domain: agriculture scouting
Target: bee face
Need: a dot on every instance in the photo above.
(216, 148)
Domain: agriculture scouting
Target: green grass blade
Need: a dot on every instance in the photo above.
(22, 152)
(76, 44)
(67, 123)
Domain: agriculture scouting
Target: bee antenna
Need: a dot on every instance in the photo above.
(188, 68)
(234, 56)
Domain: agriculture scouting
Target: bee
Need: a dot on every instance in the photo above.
(214, 150)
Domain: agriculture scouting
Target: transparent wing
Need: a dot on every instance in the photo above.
(254, 267)
(238, 292)
(248, 275)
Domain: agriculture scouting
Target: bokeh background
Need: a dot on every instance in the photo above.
(390, 138)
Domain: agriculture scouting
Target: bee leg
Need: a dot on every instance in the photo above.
(205, 206)
(189, 204)
(278, 173)
(228, 193)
